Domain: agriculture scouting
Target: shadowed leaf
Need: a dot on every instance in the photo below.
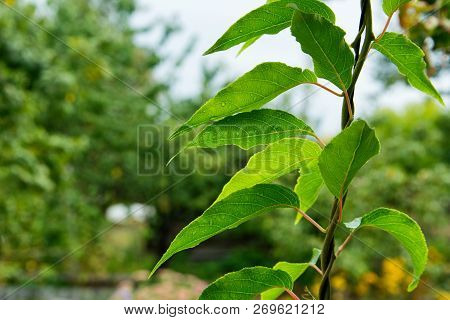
(308, 186)
(278, 159)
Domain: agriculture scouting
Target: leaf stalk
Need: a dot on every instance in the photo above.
(311, 220)
(292, 294)
(328, 89)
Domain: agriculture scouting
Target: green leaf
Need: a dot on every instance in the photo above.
(295, 270)
(230, 213)
(325, 43)
(278, 159)
(246, 284)
(315, 256)
(402, 228)
(247, 44)
(308, 186)
(249, 129)
(408, 58)
(270, 18)
(390, 6)
(346, 154)
(250, 92)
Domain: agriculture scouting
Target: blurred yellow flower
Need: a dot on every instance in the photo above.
(434, 255)
(393, 276)
(70, 97)
(93, 73)
(116, 172)
(367, 280)
(31, 266)
(339, 282)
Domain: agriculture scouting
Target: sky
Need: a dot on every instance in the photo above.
(207, 20)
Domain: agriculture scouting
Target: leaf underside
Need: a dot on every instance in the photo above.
(308, 186)
(229, 213)
(278, 159)
(246, 284)
(346, 154)
(404, 229)
(250, 92)
(249, 129)
(409, 59)
(324, 42)
(269, 19)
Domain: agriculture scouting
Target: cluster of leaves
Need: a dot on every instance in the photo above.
(234, 117)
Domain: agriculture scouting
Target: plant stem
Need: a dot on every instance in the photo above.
(292, 294)
(316, 268)
(328, 256)
(320, 141)
(360, 58)
(342, 246)
(385, 28)
(327, 89)
(311, 220)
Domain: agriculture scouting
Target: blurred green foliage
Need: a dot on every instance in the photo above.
(74, 90)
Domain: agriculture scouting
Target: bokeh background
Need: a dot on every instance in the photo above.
(81, 217)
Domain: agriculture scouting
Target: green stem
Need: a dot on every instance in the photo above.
(360, 57)
(328, 255)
